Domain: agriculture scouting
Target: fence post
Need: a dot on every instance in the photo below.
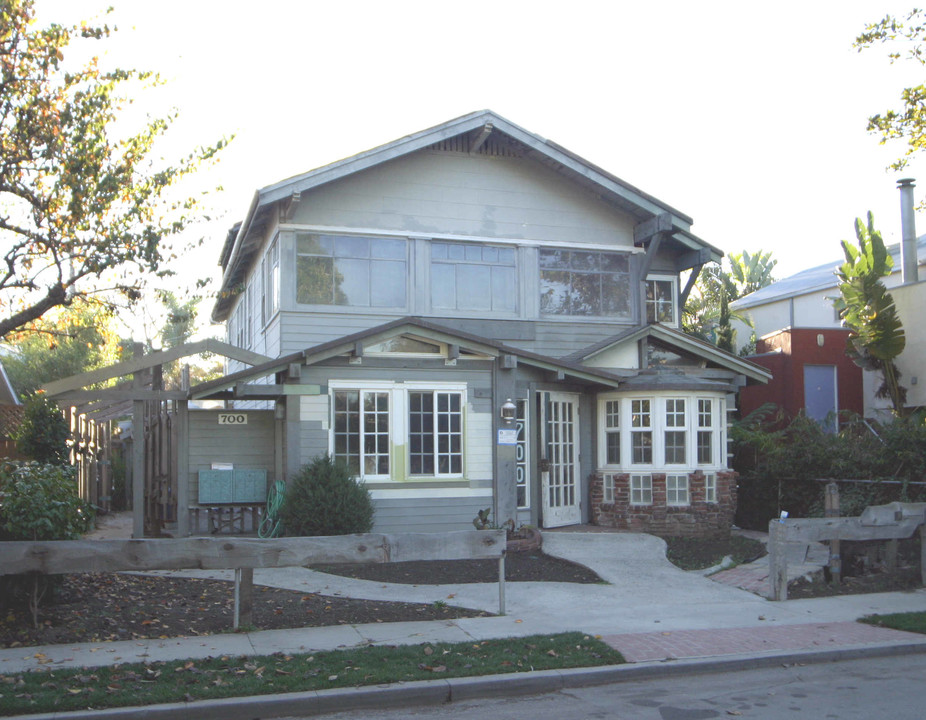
(777, 561)
(831, 509)
(501, 584)
(244, 596)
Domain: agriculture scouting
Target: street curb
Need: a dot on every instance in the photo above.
(437, 692)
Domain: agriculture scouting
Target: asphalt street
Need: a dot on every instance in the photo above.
(871, 688)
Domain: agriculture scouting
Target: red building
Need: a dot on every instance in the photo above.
(811, 372)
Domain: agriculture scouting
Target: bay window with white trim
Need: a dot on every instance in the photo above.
(372, 421)
(671, 432)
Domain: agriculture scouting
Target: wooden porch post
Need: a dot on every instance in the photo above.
(138, 454)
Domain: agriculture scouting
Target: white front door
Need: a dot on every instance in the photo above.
(559, 476)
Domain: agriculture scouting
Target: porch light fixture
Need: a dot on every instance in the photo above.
(508, 411)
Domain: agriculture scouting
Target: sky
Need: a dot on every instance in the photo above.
(750, 118)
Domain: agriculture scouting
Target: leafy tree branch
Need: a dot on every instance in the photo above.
(82, 202)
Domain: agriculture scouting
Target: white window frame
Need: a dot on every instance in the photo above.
(607, 488)
(710, 427)
(678, 492)
(710, 488)
(270, 277)
(675, 421)
(658, 426)
(610, 423)
(398, 393)
(651, 280)
(641, 489)
(641, 429)
(522, 453)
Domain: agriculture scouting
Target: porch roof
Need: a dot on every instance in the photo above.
(420, 327)
(680, 340)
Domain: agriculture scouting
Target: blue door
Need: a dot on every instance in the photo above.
(820, 394)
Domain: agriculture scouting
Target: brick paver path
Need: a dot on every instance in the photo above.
(752, 577)
(641, 647)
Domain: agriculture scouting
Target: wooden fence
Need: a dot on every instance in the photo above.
(245, 554)
(890, 522)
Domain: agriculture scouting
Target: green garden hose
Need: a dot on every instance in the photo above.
(270, 524)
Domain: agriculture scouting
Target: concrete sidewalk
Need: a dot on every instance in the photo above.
(650, 611)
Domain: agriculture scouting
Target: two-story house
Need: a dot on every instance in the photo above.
(472, 316)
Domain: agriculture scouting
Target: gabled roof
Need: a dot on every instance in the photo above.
(821, 277)
(244, 239)
(676, 339)
(418, 327)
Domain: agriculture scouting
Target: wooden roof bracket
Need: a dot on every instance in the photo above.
(479, 137)
(692, 279)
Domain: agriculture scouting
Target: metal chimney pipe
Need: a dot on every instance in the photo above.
(908, 257)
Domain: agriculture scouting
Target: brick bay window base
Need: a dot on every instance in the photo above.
(663, 504)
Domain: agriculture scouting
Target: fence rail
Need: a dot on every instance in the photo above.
(245, 554)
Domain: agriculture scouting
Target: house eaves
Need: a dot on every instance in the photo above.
(244, 239)
(418, 327)
(680, 340)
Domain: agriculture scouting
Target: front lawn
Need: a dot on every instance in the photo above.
(909, 621)
(189, 680)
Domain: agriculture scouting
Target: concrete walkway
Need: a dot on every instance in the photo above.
(650, 611)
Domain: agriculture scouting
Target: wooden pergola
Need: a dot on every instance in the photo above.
(136, 398)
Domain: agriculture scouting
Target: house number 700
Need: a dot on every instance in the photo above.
(233, 418)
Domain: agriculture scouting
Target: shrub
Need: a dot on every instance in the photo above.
(43, 433)
(38, 502)
(781, 462)
(323, 499)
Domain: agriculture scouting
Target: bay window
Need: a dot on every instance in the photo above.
(668, 432)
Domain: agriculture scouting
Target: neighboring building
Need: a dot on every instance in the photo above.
(802, 342)
(472, 316)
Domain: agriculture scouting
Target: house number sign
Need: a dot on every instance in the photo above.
(233, 418)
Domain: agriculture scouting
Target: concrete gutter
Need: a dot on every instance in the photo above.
(426, 693)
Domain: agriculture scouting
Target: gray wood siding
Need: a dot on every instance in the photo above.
(248, 447)
(454, 193)
(427, 514)
(547, 337)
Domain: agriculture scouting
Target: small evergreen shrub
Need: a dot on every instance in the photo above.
(323, 499)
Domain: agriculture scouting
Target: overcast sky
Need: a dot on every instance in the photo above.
(748, 117)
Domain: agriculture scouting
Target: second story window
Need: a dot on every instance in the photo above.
(660, 301)
(473, 277)
(582, 283)
(351, 271)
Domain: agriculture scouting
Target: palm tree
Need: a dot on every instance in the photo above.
(868, 311)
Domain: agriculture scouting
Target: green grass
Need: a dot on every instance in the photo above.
(909, 621)
(188, 680)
